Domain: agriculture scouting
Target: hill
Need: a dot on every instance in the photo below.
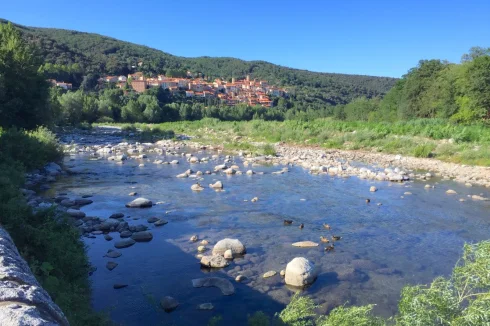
(104, 55)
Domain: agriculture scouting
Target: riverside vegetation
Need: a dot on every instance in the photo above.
(51, 246)
(56, 255)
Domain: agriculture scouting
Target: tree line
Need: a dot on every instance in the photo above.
(432, 89)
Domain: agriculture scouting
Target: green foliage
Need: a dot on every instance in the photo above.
(268, 149)
(347, 316)
(299, 312)
(258, 319)
(24, 95)
(462, 299)
(31, 149)
(424, 150)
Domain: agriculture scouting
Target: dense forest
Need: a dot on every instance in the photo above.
(75, 54)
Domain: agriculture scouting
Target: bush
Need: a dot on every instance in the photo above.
(31, 149)
(424, 150)
(268, 149)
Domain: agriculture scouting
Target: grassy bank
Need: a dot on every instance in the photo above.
(46, 240)
(441, 139)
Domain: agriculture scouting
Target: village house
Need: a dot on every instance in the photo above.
(248, 91)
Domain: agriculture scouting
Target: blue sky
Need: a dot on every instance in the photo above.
(368, 37)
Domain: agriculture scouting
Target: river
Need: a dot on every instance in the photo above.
(409, 238)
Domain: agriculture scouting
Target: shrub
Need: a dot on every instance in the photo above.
(268, 149)
(424, 150)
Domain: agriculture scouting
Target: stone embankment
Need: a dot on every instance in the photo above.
(22, 299)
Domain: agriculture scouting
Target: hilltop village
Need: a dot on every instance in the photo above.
(249, 91)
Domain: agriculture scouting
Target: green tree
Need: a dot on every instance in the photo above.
(72, 107)
(24, 95)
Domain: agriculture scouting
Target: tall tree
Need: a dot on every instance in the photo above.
(24, 93)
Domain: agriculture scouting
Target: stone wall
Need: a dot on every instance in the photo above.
(23, 302)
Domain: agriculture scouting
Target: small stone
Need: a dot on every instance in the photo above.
(214, 261)
(194, 238)
(152, 219)
(201, 249)
(117, 215)
(240, 278)
(160, 222)
(75, 213)
(140, 203)
(118, 286)
(305, 244)
(197, 187)
(269, 274)
(205, 306)
(132, 193)
(113, 254)
(124, 243)
(125, 234)
(451, 192)
(282, 272)
(169, 304)
(107, 237)
(228, 254)
(254, 199)
(204, 242)
(97, 232)
(111, 265)
(373, 189)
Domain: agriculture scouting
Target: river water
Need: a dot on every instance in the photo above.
(409, 239)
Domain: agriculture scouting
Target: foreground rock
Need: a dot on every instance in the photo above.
(140, 203)
(223, 284)
(23, 300)
(214, 261)
(169, 304)
(236, 247)
(300, 272)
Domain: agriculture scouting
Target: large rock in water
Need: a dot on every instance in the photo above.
(300, 272)
(214, 261)
(236, 247)
(140, 203)
(223, 284)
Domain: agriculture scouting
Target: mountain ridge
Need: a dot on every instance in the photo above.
(101, 54)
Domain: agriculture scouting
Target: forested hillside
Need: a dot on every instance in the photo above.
(77, 54)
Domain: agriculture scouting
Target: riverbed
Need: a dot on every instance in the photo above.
(407, 234)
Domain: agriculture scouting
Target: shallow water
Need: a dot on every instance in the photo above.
(404, 241)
